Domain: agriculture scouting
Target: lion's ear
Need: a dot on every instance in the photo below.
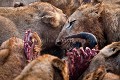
(53, 20)
(62, 66)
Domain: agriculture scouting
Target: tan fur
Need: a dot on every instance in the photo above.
(109, 57)
(67, 6)
(62, 66)
(100, 19)
(111, 76)
(11, 3)
(86, 21)
(107, 51)
(7, 29)
(101, 74)
(31, 9)
(43, 18)
(3, 54)
(13, 59)
(42, 68)
(38, 45)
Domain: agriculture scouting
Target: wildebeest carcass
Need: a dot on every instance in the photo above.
(92, 18)
(79, 55)
(101, 19)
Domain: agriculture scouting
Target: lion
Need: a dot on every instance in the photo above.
(67, 6)
(109, 57)
(45, 67)
(12, 56)
(101, 74)
(41, 17)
